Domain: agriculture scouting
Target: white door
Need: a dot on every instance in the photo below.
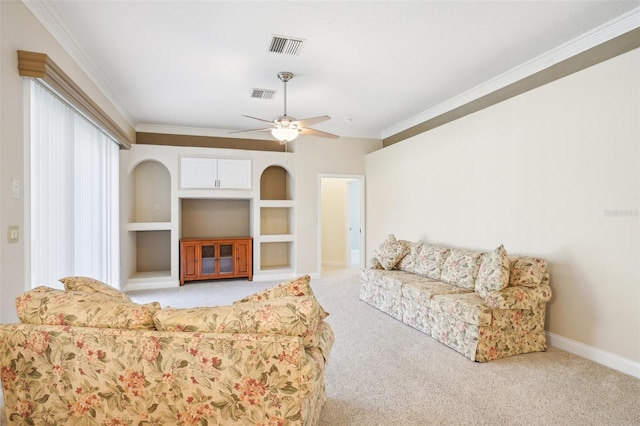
(353, 220)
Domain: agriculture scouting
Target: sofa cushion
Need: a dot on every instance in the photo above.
(527, 271)
(467, 307)
(91, 285)
(296, 287)
(391, 281)
(493, 274)
(461, 268)
(390, 252)
(292, 315)
(430, 260)
(422, 289)
(44, 305)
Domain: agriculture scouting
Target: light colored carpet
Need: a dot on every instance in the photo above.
(382, 372)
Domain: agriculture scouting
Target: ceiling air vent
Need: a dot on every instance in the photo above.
(262, 93)
(286, 45)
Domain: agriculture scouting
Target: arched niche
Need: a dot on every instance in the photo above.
(276, 184)
(150, 192)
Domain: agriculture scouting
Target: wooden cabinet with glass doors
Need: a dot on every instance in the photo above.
(215, 258)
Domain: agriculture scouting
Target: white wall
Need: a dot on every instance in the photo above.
(19, 30)
(316, 156)
(540, 173)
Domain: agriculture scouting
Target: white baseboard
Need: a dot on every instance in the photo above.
(335, 263)
(151, 285)
(614, 361)
(283, 276)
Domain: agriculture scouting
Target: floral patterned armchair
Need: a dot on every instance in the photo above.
(258, 362)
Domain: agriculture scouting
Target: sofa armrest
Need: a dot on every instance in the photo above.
(518, 297)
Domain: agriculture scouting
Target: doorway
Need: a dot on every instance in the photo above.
(341, 219)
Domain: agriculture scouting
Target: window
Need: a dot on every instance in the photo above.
(74, 194)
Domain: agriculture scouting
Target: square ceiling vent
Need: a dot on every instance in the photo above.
(262, 93)
(286, 45)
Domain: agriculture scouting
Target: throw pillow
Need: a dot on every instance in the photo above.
(390, 252)
(494, 272)
(293, 316)
(527, 271)
(373, 262)
(44, 305)
(91, 285)
(296, 287)
(408, 262)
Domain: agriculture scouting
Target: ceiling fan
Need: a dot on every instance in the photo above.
(286, 128)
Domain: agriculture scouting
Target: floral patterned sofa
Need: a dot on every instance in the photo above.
(88, 355)
(484, 305)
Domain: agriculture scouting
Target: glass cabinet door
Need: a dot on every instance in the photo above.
(226, 259)
(208, 256)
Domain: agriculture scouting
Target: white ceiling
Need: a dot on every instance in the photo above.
(375, 67)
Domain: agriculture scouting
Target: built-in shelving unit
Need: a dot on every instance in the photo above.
(165, 198)
(276, 221)
(149, 225)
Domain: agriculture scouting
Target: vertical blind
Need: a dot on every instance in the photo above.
(74, 194)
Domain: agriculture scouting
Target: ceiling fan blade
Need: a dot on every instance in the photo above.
(313, 132)
(268, 129)
(259, 119)
(313, 120)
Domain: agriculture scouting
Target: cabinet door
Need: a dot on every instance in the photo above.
(225, 259)
(198, 172)
(234, 173)
(243, 258)
(207, 259)
(188, 255)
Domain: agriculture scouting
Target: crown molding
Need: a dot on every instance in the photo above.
(48, 18)
(619, 26)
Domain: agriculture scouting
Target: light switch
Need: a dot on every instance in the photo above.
(13, 234)
(15, 188)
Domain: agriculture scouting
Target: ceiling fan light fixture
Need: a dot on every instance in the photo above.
(285, 134)
(286, 128)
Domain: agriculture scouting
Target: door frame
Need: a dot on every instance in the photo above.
(361, 178)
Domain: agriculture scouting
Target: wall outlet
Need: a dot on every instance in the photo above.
(156, 207)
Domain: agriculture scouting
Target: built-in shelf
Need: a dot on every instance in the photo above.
(276, 221)
(151, 275)
(150, 193)
(149, 226)
(281, 238)
(277, 269)
(277, 203)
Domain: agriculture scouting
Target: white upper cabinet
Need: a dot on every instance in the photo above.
(234, 173)
(214, 173)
